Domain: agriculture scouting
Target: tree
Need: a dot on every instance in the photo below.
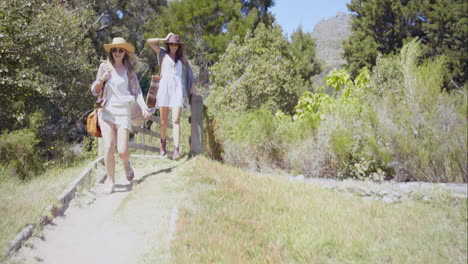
(45, 66)
(380, 26)
(302, 48)
(208, 27)
(447, 34)
(383, 26)
(257, 72)
(262, 6)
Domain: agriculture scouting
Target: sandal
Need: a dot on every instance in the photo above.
(162, 150)
(129, 172)
(109, 189)
(176, 154)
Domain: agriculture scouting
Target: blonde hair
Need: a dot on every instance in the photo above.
(132, 62)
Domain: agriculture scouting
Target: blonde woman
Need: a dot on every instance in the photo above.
(121, 91)
(173, 87)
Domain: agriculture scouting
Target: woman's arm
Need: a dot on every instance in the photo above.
(152, 42)
(140, 100)
(96, 87)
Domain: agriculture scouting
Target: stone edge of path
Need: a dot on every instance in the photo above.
(53, 211)
(389, 192)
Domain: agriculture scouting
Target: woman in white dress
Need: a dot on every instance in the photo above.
(172, 87)
(121, 91)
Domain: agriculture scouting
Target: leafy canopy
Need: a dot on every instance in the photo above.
(256, 72)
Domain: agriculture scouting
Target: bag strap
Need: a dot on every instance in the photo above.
(101, 95)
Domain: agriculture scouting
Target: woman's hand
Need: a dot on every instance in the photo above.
(105, 76)
(146, 114)
(193, 90)
(168, 36)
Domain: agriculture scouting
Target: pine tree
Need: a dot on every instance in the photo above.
(302, 47)
(383, 26)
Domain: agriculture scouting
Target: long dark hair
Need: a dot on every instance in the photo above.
(179, 53)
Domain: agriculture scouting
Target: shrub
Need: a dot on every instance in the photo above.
(18, 155)
(257, 72)
(251, 140)
(424, 127)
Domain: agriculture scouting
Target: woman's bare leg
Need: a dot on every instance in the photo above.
(164, 111)
(123, 135)
(108, 137)
(176, 124)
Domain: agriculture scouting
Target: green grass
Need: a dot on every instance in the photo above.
(22, 203)
(254, 218)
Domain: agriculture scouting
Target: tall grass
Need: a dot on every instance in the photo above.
(244, 217)
(22, 203)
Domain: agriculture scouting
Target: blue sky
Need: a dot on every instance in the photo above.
(292, 13)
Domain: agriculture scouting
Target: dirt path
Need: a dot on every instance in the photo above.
(133, 225)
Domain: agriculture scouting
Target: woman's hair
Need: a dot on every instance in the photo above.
(179, 52)
(131, 62)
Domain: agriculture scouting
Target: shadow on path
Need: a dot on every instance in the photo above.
(166, 170)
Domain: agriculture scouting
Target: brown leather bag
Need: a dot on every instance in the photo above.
(92, 122)
(154, 87)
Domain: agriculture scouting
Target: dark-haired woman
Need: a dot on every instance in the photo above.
(173, 87)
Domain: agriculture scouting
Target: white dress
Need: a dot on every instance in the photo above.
(170, 93)
(119, 101)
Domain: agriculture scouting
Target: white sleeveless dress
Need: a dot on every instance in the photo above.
(170, 93)
(119, 101)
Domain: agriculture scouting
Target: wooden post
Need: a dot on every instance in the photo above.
(196, 142)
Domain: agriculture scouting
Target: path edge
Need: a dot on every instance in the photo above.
(52, 211)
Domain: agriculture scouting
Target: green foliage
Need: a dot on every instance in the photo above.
(260, 148)
(338, 79)
(44, 65)
(447, 34)
(311, 105)
(409, 131)
(18, 154)
(427, 131)
(209, 26)
(384, 26)
(303, 50)
(394, 123)
(256, 72)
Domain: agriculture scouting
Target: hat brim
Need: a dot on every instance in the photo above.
(127, 46)
(180, 43)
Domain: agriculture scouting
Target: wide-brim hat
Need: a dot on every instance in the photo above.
(174, 38)
(119, 43)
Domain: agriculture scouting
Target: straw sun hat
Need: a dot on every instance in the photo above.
(119, 43)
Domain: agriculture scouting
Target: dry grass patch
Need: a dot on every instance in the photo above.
(255, 218)
(22, 203)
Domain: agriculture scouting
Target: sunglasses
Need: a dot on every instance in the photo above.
(117, 50)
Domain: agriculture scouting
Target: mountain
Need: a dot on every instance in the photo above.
(329, 35)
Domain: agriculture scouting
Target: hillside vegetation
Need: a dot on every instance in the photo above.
(395, 110)
(243, 217)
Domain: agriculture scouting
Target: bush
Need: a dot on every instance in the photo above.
(395, 123)
(256, 72)
(424, 127)
(250, 140)
(18, 155)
